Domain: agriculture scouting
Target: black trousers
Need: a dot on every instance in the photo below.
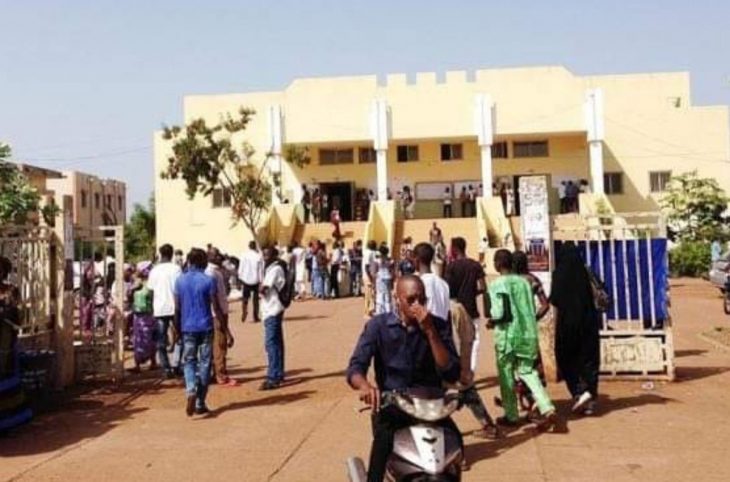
(447, 210)
(385, 424)
(579, 364)
(334, 285)
(250, 291)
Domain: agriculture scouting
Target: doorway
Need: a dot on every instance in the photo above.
(340, 194)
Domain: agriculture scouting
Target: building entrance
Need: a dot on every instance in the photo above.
(340, 194)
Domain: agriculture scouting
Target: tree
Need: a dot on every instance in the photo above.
(211, 163)
(696, 208)
(18, 199)
(139, 233)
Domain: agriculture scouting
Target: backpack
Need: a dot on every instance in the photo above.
(601, 298)
(286, 294)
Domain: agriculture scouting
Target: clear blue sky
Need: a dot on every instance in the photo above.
(83, 84)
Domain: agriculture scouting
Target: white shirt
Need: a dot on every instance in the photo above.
(251, 267)
(273, 279)
(437, 294)
(367, 257)
(162, 283)
(447, 198)
(220, 292)
(561, 190)
(483, 245)
(338, 256)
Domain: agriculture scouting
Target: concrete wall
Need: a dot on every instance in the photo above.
(105, 199)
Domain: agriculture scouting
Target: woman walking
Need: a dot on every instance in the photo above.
(145, 336)
(577, 345)
(384, 282)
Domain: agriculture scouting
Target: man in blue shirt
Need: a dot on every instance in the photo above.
(195, 293)
(410, 348)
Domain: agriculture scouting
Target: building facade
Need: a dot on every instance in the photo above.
(96, 201)
(625, 135)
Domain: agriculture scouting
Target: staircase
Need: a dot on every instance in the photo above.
(418, 229)
(351, 232)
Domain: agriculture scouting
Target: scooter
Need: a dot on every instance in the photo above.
(424, 451)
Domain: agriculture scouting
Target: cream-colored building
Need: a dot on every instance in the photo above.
(96, 201)
(624, 134)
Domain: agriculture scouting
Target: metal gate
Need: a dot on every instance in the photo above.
(628, 252)
(98, 285)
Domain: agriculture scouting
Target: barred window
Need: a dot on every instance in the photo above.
(658, 180)
(499, 150)
(407, 153)
(530, 149)
(221, 198)
(613, 183)
(452, 152)
(367, 155)
(335, 156)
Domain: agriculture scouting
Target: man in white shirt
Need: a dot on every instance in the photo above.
(222, 336)
(251, 273)
(161, 282)
(273, 312)
(438, 304)
(482, 250)
(447, 203)
(368, 279)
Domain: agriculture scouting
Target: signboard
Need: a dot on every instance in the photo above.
(632, 354)
(535, 219)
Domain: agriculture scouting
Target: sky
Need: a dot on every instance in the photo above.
(84, 84)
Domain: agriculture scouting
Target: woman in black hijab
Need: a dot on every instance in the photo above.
(577, 345)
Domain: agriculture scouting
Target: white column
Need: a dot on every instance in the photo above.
(276, 142)
(484, 126)
(595, 129)
(380, 131)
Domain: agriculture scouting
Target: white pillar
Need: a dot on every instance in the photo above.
(275, 148)
(484, 126)
(380, 131)
(595, 134)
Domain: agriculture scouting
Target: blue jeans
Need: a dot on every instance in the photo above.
(383, 299)
(197, 354)
(163, 326)
(318, 282)
(274, 341)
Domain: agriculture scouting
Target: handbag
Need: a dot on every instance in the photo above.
(601, 298)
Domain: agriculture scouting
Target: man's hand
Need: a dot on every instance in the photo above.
(420, 313)
(490, 324)
(229, 338)
(370, 396)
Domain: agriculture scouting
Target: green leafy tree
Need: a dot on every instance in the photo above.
(139, 233)
(214, 159)
(18, 199)
(696, 208)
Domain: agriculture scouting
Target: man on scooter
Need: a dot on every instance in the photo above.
(411, 349)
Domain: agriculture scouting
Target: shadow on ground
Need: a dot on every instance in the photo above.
(85, 413)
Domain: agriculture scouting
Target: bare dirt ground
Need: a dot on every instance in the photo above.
(305, 431)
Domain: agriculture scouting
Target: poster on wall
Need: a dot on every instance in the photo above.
(536, 226)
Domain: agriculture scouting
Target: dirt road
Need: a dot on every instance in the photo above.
(305, 431)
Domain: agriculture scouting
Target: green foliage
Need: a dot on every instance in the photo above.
(207, 158)
(18, 199)
(139, 233)
(696, 208)
(691, 258)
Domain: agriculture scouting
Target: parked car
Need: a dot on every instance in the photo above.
(720, 272)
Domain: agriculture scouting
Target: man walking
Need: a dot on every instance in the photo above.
(222, 336)
(161, 283)
(437, 303)
(466, 281)
(512, 315)
(368, 277)
(195, 293)
(273, 313)
(251, 272)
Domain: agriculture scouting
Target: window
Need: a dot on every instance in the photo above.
(613, 183)
(452, 152)
(120, 202)
(658, 180)
(221, 198)
(407, 153)
(499, 150)
(530, 149)
(97, 200)
(84, 198)
(335, 156)
(109, 201)
(367, 155)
